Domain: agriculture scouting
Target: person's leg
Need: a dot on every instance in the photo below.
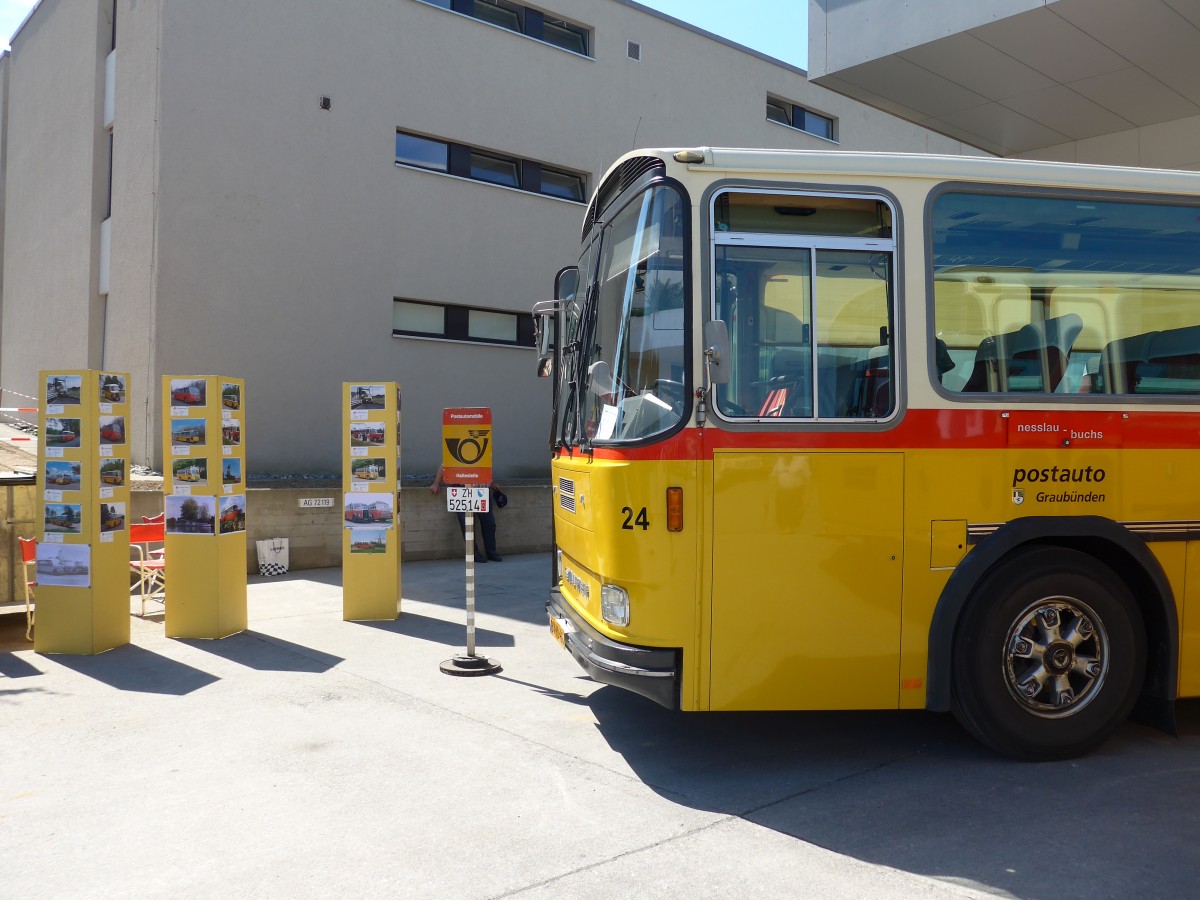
(487, 524)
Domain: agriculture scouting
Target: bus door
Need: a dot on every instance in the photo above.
(807, 545)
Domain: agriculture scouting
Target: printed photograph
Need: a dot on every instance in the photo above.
(369, 509)
(64, 518)
(233, 513)
(112, 388)
(112, 472)
(368, 540)
(231, 395)
(188, 392)
(366, 434)
(192, 472)
(367, 469)
(231, 433)
(112, 517)
(112, 430)
(231, 471)
(62, 432)
(190, 515)
(63, 389)
(62, 475)
(187, 432)
(367, 396)
(64, 565)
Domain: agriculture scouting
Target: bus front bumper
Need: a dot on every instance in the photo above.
(652, 672)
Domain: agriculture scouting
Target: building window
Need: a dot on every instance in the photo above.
(562, 184)
(453, 322)
(412, 150)
(526, 20)
(496, 169)
(795, 116)
(437, 155)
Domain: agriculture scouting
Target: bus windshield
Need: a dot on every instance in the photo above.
(624, 335)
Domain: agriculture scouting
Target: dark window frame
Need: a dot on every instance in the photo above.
(531, 23)
(456, 326)
(797, 116)
(461, 162)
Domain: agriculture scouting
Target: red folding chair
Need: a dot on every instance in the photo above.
(150, 565)
(29, 558)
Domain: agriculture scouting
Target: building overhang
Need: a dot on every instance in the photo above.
(1052, 73)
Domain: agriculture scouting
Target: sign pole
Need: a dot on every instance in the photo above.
(467, 465)
(470, 532)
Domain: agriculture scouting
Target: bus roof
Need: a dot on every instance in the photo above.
(921, 165)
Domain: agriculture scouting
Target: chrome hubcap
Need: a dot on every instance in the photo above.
(1055, 657)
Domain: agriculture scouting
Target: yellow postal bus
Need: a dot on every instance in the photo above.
(878, 431)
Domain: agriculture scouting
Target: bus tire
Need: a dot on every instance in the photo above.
(1049, 655)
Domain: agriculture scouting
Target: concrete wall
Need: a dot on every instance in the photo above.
(56, 183)
(427, 530)
(18, 507)
(845, 33)
(130, 344)
(1165, 145)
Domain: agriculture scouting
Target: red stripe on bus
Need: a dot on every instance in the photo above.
(946, 429)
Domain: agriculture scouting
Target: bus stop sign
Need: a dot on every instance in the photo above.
(467, 446)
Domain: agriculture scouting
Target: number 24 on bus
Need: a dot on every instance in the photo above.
(869, 431)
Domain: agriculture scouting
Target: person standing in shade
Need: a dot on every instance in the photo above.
(486, 521)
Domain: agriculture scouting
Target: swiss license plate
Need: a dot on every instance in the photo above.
(560, 628)
(467, 500)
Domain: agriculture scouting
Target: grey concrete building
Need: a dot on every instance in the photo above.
(1112, 82)
(304, 193)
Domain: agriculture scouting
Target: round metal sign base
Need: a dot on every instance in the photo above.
(470, 666)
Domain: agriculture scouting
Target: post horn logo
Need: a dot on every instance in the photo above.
(469, 450)
(1018, 496)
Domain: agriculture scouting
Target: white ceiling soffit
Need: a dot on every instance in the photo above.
(1068, 71)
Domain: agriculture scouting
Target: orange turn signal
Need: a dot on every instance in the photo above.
(674, 509)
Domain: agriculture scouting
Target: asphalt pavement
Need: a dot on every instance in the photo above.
(312, 757)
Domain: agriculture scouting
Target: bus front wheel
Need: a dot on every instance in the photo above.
(1048, 656)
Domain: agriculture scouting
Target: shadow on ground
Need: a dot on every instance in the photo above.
(132, 668)
(518, 595)
(267, 653)
(912, 791)
(439, 631)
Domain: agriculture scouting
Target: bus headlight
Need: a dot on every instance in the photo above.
(614, 605)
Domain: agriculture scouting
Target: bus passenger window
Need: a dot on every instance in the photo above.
(1052, 294)
(804, 345)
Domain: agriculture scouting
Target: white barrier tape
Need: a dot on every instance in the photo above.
(16, 393)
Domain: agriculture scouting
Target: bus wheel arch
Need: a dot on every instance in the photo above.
(1110, 546)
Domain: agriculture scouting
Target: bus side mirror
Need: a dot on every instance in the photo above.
(546, 319)
(716, 351)
(543, 326)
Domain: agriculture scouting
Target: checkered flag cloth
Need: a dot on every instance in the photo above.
(272, 556)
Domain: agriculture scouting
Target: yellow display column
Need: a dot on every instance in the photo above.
(370, 478)
(204, 431)
(83, 548)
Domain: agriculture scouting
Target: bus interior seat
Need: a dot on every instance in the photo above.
(1158, 362)
(787, 389)
(1118, 364)
(1173, 362)
(872, 396)
(1022, 352)
(942, 358)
